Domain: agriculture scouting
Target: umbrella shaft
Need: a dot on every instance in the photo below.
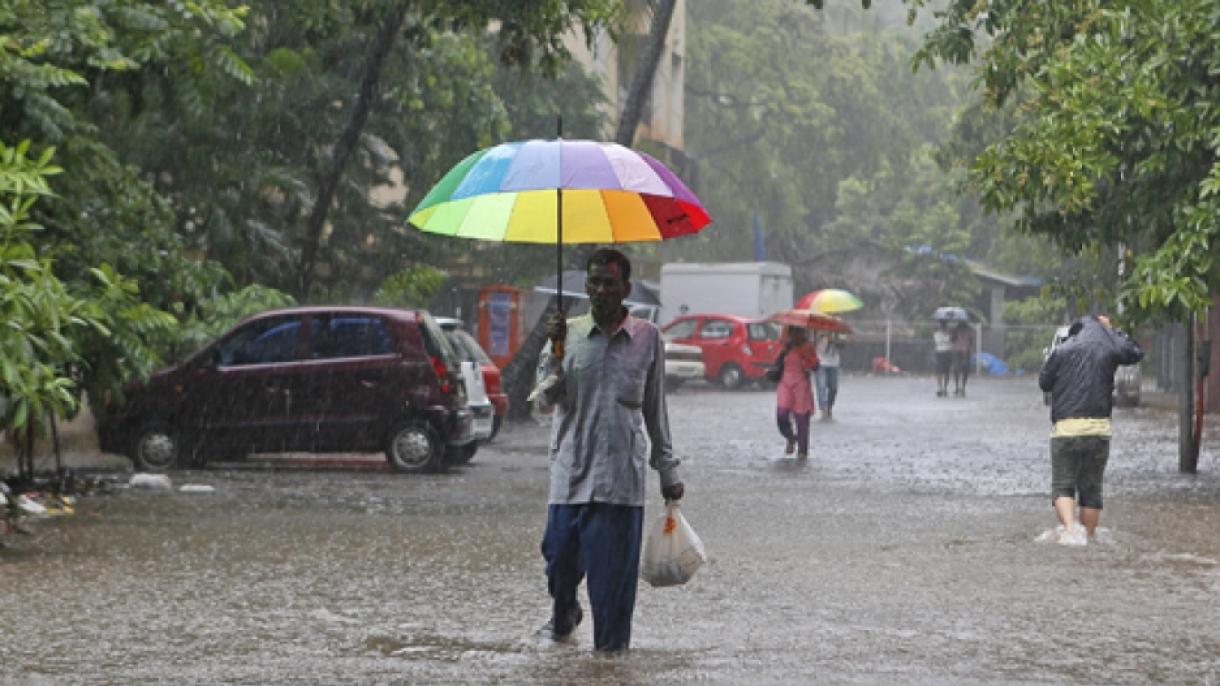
(559, 244)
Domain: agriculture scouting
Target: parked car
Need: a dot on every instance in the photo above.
(320, 379)
(488, 401)
(683, 363)
(735, 349)
(1126, 377)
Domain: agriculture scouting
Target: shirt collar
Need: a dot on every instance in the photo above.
(628, 328)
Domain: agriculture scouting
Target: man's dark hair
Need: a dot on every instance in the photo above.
(608, 256)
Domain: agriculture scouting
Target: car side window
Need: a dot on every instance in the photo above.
(682, 329)
(263, 342)
(762, 331)
(716, 328)
(347, 335)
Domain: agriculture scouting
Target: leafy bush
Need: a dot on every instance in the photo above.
(412, 287)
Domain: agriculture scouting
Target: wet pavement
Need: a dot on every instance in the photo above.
(904, 551)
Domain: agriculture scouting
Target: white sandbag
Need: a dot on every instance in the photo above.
(673, 551)
(156, 482)
(196, 488)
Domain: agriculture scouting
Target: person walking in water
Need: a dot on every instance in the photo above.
(607, 390)
(963, 342)
(827, 345)
(794, 395)
(1079, 375)
(942, 345)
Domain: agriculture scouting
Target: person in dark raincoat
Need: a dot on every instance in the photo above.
(1079, 375)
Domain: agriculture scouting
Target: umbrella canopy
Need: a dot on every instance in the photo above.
(951, 314)
(810, 320)
(830, 300)
(610, 194)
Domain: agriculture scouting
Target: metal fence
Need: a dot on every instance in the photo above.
(1018, 349)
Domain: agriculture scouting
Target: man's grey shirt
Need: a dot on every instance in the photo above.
(606, 393)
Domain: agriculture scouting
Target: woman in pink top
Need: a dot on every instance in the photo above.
(794, 396)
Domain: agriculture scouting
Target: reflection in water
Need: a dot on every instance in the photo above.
(904, 551)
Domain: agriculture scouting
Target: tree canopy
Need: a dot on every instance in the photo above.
(189, 140)
(813, 123)
(1113, 134)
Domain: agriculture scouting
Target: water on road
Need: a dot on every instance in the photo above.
(904, 551)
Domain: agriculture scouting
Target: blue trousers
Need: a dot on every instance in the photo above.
(826, 381)
(602, 542)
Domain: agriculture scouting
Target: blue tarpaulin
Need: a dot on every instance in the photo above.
(990, 364)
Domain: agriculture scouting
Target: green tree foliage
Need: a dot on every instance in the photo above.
(106, 236)
(814, 122)
(59, 337)
(1114, 133)
(413, 287)
(242, 176)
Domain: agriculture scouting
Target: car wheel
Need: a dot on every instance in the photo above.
(413, 447)
(673, 383)
(155, 449)
(461, 454)
(731, 376)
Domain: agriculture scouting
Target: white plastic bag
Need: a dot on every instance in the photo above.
(672, 551)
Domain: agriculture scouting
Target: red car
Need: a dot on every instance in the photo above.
(735, 349)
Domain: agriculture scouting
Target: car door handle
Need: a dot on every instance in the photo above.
(368, 383)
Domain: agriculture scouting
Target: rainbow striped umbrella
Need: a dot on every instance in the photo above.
(829, 300)
(560, 191)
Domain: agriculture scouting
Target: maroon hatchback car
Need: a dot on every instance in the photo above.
(318, 379)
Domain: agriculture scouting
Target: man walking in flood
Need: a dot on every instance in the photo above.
(1079, 375)
(606, 384)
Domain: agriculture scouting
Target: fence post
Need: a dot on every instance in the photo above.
(888, 333)
(978, 348)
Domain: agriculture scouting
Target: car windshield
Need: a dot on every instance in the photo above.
(467, 343)
(466, 347)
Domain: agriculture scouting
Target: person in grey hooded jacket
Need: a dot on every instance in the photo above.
(1079, 375)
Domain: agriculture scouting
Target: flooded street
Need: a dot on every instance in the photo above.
(904, 551)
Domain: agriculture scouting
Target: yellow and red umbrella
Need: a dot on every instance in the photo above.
(830, 300)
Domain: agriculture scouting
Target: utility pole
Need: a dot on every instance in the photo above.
(1188, 448)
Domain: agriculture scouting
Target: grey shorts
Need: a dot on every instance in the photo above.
(1077, 466)
(944, 362)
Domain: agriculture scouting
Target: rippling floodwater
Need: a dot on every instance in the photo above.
(904, 551)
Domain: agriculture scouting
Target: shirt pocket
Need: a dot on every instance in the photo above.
(630, 391)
